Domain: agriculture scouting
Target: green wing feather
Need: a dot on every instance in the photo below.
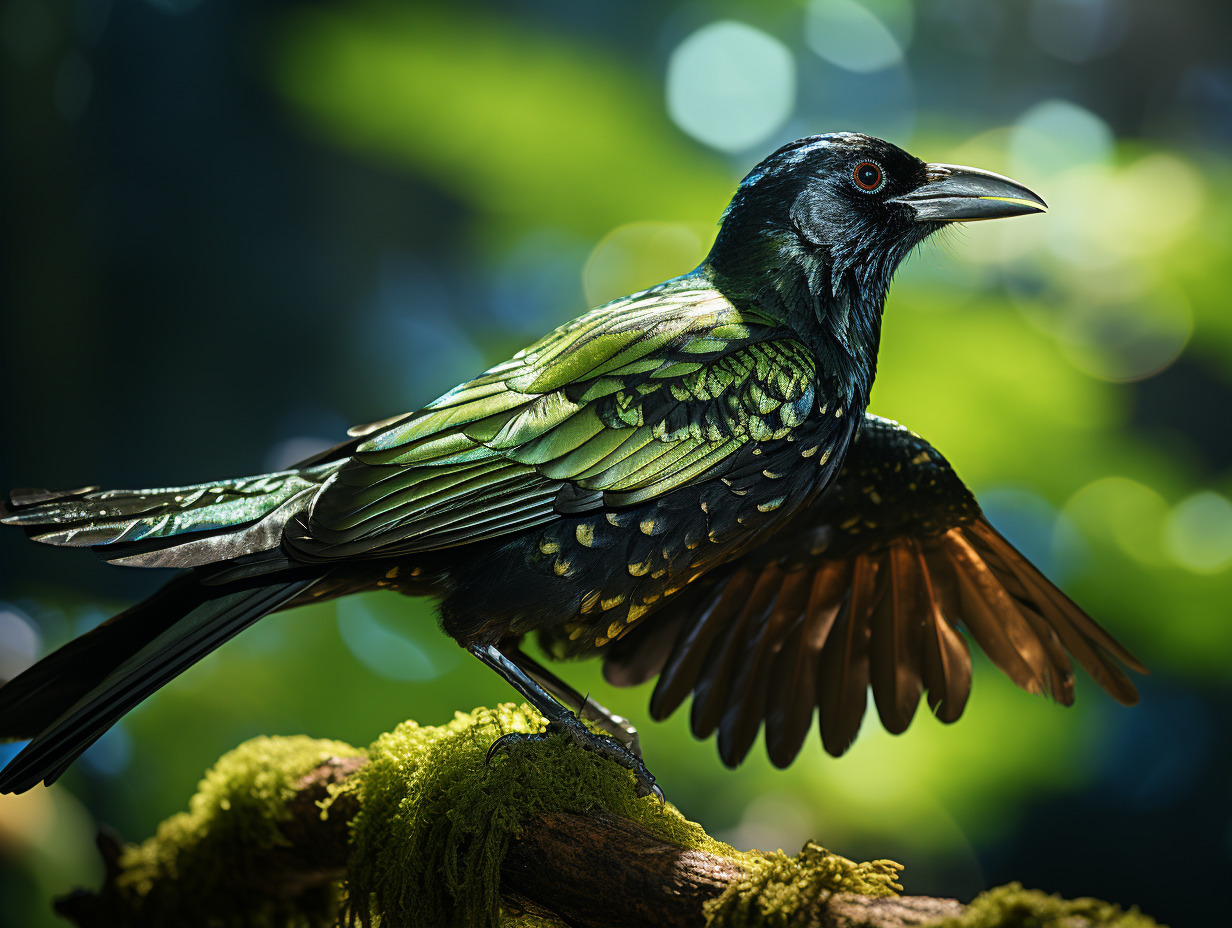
(624, 404)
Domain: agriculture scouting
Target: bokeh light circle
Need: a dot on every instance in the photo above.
(1055, 136)
(730, 85)
(641, 254)
(1124, 341)
(860, 37)
(1122, 512)
(1198, 533)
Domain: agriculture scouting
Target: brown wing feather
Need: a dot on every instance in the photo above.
(982, 533)
(993, 618)
(1061, 672)
(946, 664)
(747, 697)
(1077, 631)
(719, 670)
(681, 673)
(789, 712)
(843, 681)
(897, 640)
(642, 654)
(870, 584)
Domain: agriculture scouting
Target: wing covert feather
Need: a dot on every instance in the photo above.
(624, 404)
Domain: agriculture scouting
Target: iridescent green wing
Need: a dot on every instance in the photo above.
(624, 404)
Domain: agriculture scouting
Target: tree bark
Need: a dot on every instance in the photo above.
(590, 870)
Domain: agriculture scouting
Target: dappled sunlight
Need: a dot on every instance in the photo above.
(253, 226)
(532, 128)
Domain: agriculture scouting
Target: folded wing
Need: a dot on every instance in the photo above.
(623, 405)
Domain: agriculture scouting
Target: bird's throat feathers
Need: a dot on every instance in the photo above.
(810, 237)
(831, 296)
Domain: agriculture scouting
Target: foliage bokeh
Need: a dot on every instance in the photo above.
(233, 229)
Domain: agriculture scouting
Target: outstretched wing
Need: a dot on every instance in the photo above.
(867, 587)
(619, 406)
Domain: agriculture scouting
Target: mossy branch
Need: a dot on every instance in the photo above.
(420, 830)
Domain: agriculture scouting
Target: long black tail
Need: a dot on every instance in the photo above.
(70, 698)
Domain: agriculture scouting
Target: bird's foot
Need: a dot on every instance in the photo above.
(618, 727)
(572, 728)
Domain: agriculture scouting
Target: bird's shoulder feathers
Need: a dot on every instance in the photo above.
(624, 404)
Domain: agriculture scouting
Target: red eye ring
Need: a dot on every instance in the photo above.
(868, 176)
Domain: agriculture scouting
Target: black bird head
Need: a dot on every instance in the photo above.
(858, 202)
(820, 226)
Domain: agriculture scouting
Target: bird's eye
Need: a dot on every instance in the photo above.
(869, 177)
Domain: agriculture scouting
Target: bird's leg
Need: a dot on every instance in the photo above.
(560, 720)
(617, 726)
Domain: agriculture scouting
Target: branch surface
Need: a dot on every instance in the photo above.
(421, 828)
(590, 870)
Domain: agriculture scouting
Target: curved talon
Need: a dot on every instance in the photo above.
(646, 786)
(504, 741)
(612, 749)
(569, 722)
(496, 747)
(603, 745)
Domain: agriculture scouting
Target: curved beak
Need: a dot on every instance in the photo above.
(954, 193)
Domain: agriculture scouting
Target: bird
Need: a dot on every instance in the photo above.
(684, 483)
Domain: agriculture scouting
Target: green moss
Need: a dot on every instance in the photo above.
(191, 872)
(1011, 906)
(526, 920)
(781, 891)
(437, 818)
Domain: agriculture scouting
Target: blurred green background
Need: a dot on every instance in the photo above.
(233, 228)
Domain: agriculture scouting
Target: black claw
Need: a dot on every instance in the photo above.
(505, 741)
(613, 750)
(496, 747)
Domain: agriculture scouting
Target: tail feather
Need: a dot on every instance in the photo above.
(33, 700)
(33, 496)
(69, 699)
(170, 526)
